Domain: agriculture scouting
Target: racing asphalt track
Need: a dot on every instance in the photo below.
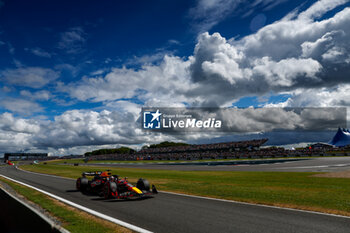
(174, 213)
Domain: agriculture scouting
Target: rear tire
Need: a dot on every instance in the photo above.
(107, 191)
(82, 184)
(78, 184)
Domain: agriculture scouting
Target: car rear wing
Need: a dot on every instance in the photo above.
(91, 173)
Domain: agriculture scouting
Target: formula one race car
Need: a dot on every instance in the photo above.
(9, 163)
(108, 186)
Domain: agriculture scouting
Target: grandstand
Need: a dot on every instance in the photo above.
(237, 146)
(226, 150)
(25, 156)
(189, 152)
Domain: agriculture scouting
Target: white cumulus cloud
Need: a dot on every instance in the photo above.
(303, 55)
(34, 77)
(286, 55)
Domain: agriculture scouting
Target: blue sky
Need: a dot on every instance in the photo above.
(64, 60)
(78, 38)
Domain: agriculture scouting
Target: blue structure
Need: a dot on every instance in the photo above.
(341, 138)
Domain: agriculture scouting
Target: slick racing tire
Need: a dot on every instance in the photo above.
(107, 192)
(78, 184)
(143, 184)
(82, 184)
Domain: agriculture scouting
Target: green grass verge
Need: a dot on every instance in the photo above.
(73, 220)
(70, 161)
(300, 190)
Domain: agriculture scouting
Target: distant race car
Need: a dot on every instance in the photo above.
(9, 162)
(108, 186)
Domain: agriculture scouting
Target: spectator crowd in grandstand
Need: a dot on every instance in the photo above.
(241, 149)
(226, 150)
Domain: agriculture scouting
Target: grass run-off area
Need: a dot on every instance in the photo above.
(301, 190)
(70, 161)
(73, 220)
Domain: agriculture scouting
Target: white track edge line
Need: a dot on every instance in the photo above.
(252, 204)
(43, 174)
(217, 199)
(37, 212)
(90, 211)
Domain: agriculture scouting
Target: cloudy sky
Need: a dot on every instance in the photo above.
(75, 74)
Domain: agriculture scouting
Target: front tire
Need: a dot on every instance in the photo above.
(143, 184)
